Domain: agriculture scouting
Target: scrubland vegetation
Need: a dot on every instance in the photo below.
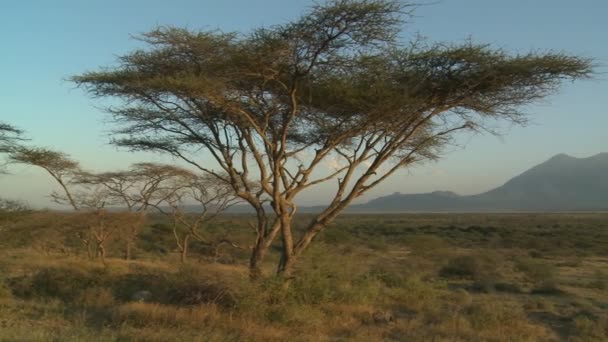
(260, 116)
(452, 277)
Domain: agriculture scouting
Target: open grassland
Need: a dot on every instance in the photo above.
(422, 277)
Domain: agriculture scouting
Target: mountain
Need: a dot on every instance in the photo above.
(562, 183)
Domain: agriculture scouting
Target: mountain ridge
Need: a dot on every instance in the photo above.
(562, 183)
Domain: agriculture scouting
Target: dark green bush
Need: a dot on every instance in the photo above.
(61, 283)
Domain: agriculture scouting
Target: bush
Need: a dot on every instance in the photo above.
(423, 244)
(193, 286)
(482, 268)
(337, 235)
(61, 283)
(95, 297)
(599, 281)
(589, 329)
(540, 273)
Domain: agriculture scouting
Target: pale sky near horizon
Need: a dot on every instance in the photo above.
(45, 42)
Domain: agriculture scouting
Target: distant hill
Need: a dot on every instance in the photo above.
(562, 183)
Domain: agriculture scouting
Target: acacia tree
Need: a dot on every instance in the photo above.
(64, 170)
(211, 199)
(100, 226)
(274, 106)
(143, 186)
(76, 193)
(9, 137)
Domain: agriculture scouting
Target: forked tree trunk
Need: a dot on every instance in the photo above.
(286, 263)
(291, 251)
(264, 240)
(258, 254)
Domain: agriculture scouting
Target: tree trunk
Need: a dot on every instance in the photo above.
(285, 268)
(128, 250)
(89, 251)
(101, 249)
(288, 257)
(255, 261)
(262, 245)
(184, 248)
(291, 252)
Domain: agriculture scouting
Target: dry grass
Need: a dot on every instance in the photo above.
(438, 279)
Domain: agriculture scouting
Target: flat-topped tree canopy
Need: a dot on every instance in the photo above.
(59, 165)
(140, 187)
(10, 136)
(337, 82)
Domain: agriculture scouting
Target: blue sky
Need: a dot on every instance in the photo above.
(45, 42)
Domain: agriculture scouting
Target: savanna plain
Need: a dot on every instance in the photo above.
(389, 277)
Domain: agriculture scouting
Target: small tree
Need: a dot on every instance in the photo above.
(89, 199)
(275, 106)
(137, 189)
(9, 211)
(60, 166)
(100, 224)
(210, 199)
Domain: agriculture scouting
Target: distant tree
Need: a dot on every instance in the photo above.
(138, 189)
(10, 137)
(100, 225)
(60, 166)
(13, 206)
(10, 210)
(274, 107)
(206, 196)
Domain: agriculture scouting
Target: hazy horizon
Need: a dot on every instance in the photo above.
(49, 42)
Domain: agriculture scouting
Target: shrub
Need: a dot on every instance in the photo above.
(61, 283)
(599, 281)
(541, 274)
(95, 297)
(586, 328)
(337, 235)
(423, 244)
(482, 268)
(193, 286)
